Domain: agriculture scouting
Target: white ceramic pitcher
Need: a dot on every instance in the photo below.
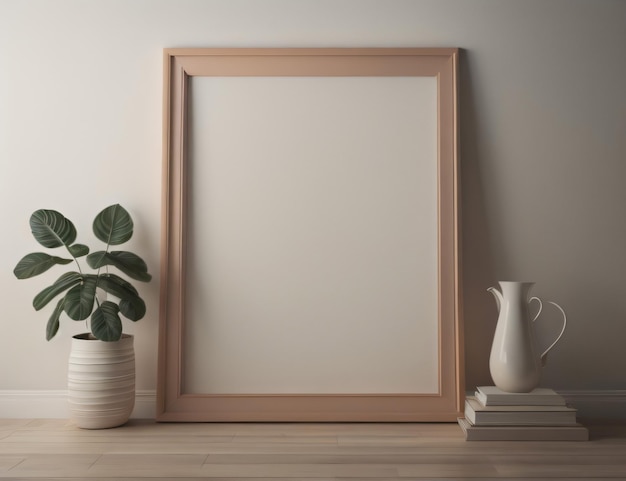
(515, 363)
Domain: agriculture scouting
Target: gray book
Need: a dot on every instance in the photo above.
(523, 433)
(522, 415)
(492, 396)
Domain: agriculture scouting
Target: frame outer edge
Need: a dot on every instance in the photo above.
(170, 56)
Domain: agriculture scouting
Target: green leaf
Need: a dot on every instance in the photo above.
(117, 286)
(36, 263)
(51, 229)
(131, 305)
(53, 323)
(130, 264)
(79, 250)
(97, 259)
(80, 299)
(66, 281)
(113, 225)
(133, 309)
(106, 324)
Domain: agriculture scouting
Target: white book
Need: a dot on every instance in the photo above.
(523, 433)
(480, 415)
(492, 396)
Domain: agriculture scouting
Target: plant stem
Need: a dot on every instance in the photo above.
(80, 271)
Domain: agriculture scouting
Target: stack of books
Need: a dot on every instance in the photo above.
(540, 415)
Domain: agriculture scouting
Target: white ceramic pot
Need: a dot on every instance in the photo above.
(101, 381)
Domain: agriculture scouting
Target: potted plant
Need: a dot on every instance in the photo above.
(101, 374)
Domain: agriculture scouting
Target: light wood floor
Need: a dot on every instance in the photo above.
(55, 449)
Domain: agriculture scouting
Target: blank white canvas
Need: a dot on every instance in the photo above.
(312, 236)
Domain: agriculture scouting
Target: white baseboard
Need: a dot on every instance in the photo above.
(52, 404)
(591, 404)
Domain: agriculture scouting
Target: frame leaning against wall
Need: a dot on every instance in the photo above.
(176, 405)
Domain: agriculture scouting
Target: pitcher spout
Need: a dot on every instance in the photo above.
(498, 295)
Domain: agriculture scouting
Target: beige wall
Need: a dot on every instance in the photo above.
(543, 145)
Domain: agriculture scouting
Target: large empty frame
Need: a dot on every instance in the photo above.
(310, 236)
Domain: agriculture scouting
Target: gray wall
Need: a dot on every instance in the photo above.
(543, 120)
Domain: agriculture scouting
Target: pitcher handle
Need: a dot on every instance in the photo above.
(543, 356)
(540, 307)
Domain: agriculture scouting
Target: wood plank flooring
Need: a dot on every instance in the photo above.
(56, 450)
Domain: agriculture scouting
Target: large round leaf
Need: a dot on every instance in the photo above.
(66, 281)
(51, 229)
(133, 308)
(80, 299)
(131, 305)
(113, 225)
(36, 263)
(130, 264)
(106, 325)
(117, 286)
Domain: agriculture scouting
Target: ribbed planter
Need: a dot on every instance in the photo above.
(101, 381)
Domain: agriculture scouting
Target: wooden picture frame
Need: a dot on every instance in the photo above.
(177, 404)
